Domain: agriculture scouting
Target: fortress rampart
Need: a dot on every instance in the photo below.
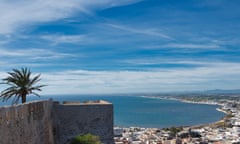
(48, 122)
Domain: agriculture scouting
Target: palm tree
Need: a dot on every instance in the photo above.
(20, 85)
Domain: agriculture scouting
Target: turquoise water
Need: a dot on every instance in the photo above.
(149, 112)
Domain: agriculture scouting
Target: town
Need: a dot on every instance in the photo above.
(224, 131)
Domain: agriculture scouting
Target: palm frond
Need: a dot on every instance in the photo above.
(20, 84)
(36, 94)
(35, 80)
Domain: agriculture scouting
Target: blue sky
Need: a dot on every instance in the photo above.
(126, 46)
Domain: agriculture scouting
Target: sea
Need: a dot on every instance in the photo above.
(140, 111)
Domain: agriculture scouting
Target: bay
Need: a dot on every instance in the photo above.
(140, 111)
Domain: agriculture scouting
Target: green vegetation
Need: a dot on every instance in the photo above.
(174, 130)
(86, 139)
(20, 85)
(220, 124)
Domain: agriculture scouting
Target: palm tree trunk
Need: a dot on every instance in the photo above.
(24, 98)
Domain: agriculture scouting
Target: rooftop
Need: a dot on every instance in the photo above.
(90, 102)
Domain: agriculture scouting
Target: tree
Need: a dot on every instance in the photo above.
(86, 139)
(21, 83)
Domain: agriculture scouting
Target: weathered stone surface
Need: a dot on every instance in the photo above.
(47, 122)
(26, 124)
(72, 120)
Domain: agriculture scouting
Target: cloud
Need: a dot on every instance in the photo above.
(31, 58)
(17, 14)
(33, 54)
(103, 33)
(206, 46)
(167, 61)
(213, 75)
(191, 46)
(210, 76)
(59, 39)
(143, 31)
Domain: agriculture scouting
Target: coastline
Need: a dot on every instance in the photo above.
(225, 130)
(182, 100)
(195, 102)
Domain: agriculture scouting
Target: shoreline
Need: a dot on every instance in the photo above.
(224, 130)
(219, 109)
(182, 100)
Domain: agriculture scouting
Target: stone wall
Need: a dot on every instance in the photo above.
(47, 122)
(30, 123)
(94, 118)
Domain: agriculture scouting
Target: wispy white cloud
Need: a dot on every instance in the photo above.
(143, 31)
(210, 76)
(17, 14)
(31, 58)
(210, 46)
(33, 54)
(59, 39)
(191, 46)
(7, 66)
(153, 61)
